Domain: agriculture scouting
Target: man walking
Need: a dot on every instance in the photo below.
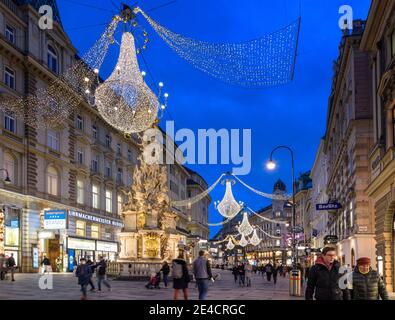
(11, 266)
(202, 273)
(269, 270)
(84, 273)
(323, 281)
(101, 274)
(366, 283)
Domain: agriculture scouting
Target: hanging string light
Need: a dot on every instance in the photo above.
(243, 241)
(124, 100)
(262, 62)
(255, 240)
(230, 245)
(245, 227)
(228, 207)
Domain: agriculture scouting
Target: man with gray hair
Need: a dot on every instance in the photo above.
(202, 273)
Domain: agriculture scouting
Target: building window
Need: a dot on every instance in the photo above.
(129, 180)
(95, 164)
(351, 215)
(107, 170)
(95, 197)
(80, 191)
(80, 227)
(108, 200)
(10, 33)
(80, 157)
(108, 234)
(119, 203)
(119, 176)
(80, 123)
(53, 140)
(52, 181)
(130, 158)
(118, 149)
(108, 141)
(95, 231)
(52, 59)
(94, 132)
(9, 123)
(10, 166)
(9, 77)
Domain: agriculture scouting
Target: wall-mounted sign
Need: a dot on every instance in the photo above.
(11, 236)
(70, 264)
(328, 206)
(362, 228)
(35, 263)
(46, 235)
(55, 219)
(106, 246)
(89, 217)
(81, 244)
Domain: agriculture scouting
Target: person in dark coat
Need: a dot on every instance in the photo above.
(323, 281)
(11, 266)
(92, 266)
(269, 271)
(101, 274)
(165, 271)
(180, 276)
(241, 274)
(84, 273)
(366, 283)
(275, 272)
(235, 273)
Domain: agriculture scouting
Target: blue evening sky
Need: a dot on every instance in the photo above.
(293, 114)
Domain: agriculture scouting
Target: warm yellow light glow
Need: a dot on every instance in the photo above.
(271, 165)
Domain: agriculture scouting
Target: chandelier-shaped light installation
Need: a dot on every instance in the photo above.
(228, 207)
(124, 100)
(267, 61)
(230, 245)
(255, 240)
(243, 241)
(245, 227)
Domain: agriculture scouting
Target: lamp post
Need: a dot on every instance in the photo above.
(271, 165)
(7, 179)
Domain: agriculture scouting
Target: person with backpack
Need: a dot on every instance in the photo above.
(84, 273)
(165, 271)
(202, 273)
(11, 266)
(180, 276)
(101, 274)
(365, 283)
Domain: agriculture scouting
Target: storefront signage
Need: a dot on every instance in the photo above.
(35, 258)
(70, 265)
(106, 246)
(362, 228)
(55, 219)
(328, 206)
(46, 235)
(95, 219)
(81, 244)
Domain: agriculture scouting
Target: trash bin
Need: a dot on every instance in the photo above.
(295, 283)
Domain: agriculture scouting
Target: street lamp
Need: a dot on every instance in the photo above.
(271, 165)
(7, 179)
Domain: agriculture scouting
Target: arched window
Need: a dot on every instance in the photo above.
(52, 181)
(52, 59)
(11, 167)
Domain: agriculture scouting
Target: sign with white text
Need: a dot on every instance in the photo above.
(55, 219)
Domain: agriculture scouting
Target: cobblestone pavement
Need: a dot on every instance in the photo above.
(65, 287)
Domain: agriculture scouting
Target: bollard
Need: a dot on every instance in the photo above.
(295, 283)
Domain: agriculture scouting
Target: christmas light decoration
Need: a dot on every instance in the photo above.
(228, 207)
(124, 100)
(230, 245)
(267, 61)
(255, 240)
(243, 241)
(245, 227)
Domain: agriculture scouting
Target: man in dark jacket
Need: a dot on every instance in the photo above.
(366, 283)
(84, 273)
(202, 273)
(101, 274)
(11, 266)
(323, 281)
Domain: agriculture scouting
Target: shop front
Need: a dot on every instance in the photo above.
(10, 235)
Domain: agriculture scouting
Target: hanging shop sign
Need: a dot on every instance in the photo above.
(55, 219)
(81, 244)
(89, 217)
(106, 246)
(35, 262)
(328, 206)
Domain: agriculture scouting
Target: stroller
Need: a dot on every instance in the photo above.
(154, 282)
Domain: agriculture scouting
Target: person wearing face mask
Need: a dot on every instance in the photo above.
(366, 283)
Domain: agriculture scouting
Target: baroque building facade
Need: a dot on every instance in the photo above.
(80, 173)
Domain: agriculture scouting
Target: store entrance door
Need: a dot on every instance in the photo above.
(53, 251)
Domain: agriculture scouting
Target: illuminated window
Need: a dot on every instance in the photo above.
(80, 191)
(80, 228)
(95, 231)
(95, 197)
(119, 203)
(108, 200)
(52, 181)
(351, 215)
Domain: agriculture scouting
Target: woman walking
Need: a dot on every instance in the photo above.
(180, 276)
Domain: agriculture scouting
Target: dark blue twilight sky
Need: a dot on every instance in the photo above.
(293, 114)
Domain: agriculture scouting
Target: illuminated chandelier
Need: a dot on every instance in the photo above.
(245, 228)
(124, 100)
(228, 207)
(255, 240)
(230, 245)
(243, 241)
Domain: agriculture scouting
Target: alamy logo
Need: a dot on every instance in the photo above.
(46, 20)
(45, 282)
(346, 20)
